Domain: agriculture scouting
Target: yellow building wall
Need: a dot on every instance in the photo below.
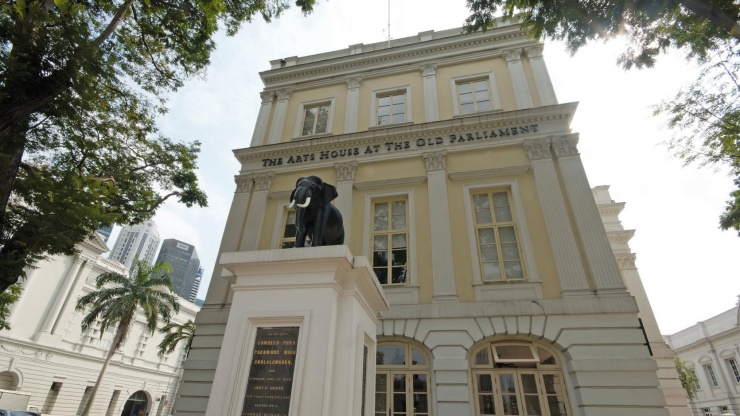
(411, 79)
(527, 65)
(337, 92)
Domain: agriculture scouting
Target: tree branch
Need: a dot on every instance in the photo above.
(117, 19)
(715, 15)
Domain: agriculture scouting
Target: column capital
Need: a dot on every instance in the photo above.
(353, 82)
(537, 148)
(512, 55)
(534, 51)
(346, 171)
(262, 181)
(243, 183)
(565, 145)
(626, 260)
(267, 96)
(428, 69)
(284, 94)
(435, 160)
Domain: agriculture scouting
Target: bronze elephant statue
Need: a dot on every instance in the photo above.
(315, 217)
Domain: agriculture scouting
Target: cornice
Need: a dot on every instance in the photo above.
(489, 173)
(610, 209)
(95, 243)
(620, 237)
(369, 185)
(562, 112)
(444, 50)
(702, 342)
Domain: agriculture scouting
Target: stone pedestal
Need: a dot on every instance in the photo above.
(326, 299)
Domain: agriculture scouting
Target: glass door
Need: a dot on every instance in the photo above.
(401, 393)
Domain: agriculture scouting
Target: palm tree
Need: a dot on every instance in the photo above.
(148, 290)
(174, 333)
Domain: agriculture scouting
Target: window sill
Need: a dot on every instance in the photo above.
(497, 291)
(311, 136)
(479, 113)
(392, 125)
(401, 295)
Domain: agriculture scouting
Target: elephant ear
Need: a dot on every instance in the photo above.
(330, 192)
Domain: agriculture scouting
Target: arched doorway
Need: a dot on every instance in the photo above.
(402, 379)
(136, 405)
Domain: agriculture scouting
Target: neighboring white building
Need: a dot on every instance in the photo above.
(47, 355)
(711, 349)
(140, 241)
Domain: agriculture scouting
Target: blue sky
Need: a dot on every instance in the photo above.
(688, 266)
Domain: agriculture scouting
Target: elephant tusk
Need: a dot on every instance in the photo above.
(292, 204)
(305, 204)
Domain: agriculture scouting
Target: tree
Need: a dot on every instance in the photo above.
(174, 333)
(117, 300)
(81, 83)
(706, 117)
(7, 298)
(651, 26)
(687, 378)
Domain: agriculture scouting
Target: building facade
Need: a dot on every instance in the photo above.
(47, 355)
(139, 241)
(711, 351)
(460, 180)
(183, 258)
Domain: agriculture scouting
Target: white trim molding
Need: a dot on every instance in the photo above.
(406, 89)
(492, 92)
(299, 118)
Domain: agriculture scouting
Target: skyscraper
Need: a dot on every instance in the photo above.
(105, 232)
(186, 272)
(138, 241)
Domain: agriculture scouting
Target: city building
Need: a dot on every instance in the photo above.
(196, 286)
(139, 241)
(183, 259)
(47, 355)
(458, 177)
(105, 232)
(711, 351)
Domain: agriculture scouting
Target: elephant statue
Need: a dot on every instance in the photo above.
(315, 216)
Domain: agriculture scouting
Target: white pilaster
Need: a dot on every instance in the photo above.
(218, 290)
(353, 105)
(345, 181)
(518, 79)
(278, 120)
(562, 242)
(443, 271)
(431, 106)
(541, 76)
(260, 127)
(594, 242)
(61, 296)
(253, 224)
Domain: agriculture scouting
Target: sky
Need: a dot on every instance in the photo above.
(689, 267)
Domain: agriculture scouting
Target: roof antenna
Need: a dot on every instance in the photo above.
(389, 23)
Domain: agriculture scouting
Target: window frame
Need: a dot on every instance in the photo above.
(408, 370)
(397, 294)
(389, 232)
(519, 289)
(711, 375)
(733, 369)
(492, 93)
(298, 127)
(374, 95)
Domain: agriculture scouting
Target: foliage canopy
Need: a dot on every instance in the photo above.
(81, 83)
(174, 334)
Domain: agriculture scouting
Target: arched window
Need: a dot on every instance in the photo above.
(517, 378)
(402, 380)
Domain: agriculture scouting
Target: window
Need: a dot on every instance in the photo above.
(706, 411)
(287, 239)
(496, 236)
(315, 119)
(693, 374)
(473, 96)
(517, 378)
(401, 380)
(733, 369)
(391, 108)
(710, 374)
(723, 409)
(390, 241)
(84, 400)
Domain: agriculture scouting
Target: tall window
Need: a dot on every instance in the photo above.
(710, 374)
(498, 244)
(517, 378)
(693, 374)
(401, 381)
(287, 239)
(733, 369)
(391, 108)
(390, 242)
(315, 119)
(706, 411)
(473, 96)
